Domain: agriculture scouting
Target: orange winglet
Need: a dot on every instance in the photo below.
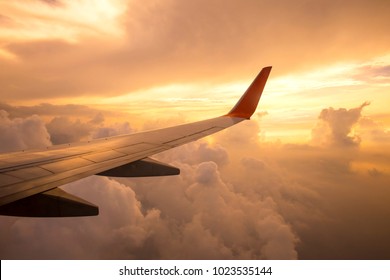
(247, 104)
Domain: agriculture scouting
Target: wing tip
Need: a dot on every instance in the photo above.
(247, 104)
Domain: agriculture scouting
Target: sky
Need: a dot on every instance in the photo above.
(307, 177)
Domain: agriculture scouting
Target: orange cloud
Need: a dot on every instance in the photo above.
(74, 49)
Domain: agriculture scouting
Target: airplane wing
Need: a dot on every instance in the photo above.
(29, 180)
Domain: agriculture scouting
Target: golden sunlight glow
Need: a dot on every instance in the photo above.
(68, 21)
(4, 54)
(292, 103)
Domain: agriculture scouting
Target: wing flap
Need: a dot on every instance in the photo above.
(6, 179)
(66, 164)
(131, 149)
(53, 203)
(142, 168)
(29, 173)
(103, 156)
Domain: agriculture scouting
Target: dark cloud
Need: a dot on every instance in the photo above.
(62, 130)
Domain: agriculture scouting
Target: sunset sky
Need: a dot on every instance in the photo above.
(308, 177)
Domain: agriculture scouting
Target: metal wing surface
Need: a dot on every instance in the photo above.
(29, 179)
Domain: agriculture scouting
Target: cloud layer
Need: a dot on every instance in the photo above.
(238, 197)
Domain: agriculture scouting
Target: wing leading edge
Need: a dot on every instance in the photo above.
(29, 180)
